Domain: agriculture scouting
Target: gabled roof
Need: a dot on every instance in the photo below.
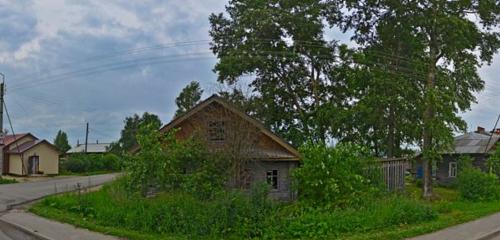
(473, 142)
(9, 139)
(225, 104)
(29, 145)
(91, 148)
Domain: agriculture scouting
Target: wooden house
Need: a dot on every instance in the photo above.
(269, 158)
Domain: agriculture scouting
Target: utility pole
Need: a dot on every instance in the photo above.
(2, 91)
(86, 137)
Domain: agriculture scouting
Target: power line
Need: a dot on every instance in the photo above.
(108, 67)
(122, 53)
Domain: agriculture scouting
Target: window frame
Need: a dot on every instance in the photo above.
(452, 169)
(216, 131)
(273, 175)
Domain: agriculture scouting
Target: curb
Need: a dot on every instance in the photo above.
(32, 234)
(490, 235)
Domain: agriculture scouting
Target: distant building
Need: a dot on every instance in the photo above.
(93, 148)
(24, 154)
(479, 145)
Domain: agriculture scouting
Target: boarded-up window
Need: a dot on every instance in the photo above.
(452, 172)
(272, 178)
(216, 131)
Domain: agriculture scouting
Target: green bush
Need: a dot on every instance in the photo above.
(339, 176)
(475, 185)
(175, 165)
(82, 163)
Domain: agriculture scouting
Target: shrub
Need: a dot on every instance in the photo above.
(81, 163)
(175, 165)
(475, 185)
(111, 162)
(337, 176)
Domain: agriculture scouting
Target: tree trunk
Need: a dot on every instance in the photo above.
(429, 113)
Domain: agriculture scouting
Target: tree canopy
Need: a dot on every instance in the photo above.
(61, 141)
(188, 98)
(128, 134)
(414, 70)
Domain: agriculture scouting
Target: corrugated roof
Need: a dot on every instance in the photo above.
(91, 148)
(472, 142)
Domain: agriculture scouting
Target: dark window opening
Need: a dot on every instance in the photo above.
(272, 178)
(216, 131)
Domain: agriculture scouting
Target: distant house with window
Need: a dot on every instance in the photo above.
(479, 145)
(225, 126)
(90, 148)
(26, 155)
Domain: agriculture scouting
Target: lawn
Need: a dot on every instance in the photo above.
(177, 216)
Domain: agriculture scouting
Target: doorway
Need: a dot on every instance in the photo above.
(33, 165)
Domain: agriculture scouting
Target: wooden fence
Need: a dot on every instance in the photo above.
(394, 172)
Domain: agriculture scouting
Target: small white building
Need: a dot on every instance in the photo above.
(95, 148)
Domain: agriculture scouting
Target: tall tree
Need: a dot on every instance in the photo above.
(128, 133)
(188, 98)
(281, 43)
(61, 141)
(383, 114)
(450, 47)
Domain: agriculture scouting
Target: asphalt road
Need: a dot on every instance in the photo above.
(19, 193)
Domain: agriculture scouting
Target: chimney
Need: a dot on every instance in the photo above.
(78, 142)
(480, 130)
(97, 141)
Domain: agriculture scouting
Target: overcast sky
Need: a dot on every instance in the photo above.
(69, 62)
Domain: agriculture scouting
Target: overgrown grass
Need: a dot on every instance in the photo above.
(237, 216)
(7, 181)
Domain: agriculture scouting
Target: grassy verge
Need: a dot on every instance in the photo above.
(178, 216)
(451, 211)
(7, 181)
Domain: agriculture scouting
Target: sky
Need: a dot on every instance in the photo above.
(70, 62)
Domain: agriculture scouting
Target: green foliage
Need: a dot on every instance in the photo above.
(128, 134)
(175, 165)
(336, 176)
(464, 162)
(377, 214)
(254, 37)
(475, 185)
(233, 215)
(493, 161)
(188, 98)
(84, 163)
(7, 181)
(61, 141)
(229, 213)
(444, 49)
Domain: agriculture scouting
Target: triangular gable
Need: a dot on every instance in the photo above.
(214, 98)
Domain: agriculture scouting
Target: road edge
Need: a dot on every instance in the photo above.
(24, 230)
